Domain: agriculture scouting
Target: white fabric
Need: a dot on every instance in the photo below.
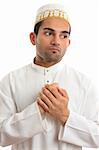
(21, 124)
(51, 10)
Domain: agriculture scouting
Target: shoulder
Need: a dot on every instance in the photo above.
(21, 71)
(78, 77)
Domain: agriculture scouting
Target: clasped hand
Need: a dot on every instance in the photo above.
(54, 100)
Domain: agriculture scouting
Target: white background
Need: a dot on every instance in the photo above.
(16, 22)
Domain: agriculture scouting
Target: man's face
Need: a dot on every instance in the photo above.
(52, 41)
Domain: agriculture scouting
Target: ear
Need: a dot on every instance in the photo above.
(33, 38)
(68, 43)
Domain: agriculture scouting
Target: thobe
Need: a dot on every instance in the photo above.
(22, 125)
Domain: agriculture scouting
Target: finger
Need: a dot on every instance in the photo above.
(53, 90)
(49, 95)
(41, 109)
(63, 92)
(43, 105)
(45, 99)
(53, 84)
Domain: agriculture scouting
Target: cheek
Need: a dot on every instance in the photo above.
(41, 40)
(44, 42)
(66, 43)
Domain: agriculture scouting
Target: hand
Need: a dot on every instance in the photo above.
(43, 110)
(54, 101)
(40, 108)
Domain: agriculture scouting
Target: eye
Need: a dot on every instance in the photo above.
(64, 36)
(48, 33)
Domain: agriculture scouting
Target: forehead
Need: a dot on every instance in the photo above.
(56, 23)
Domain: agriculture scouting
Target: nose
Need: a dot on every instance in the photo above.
(55, 40)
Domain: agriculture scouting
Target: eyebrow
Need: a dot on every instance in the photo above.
(54, 30)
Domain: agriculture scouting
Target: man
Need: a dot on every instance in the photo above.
(46, 105)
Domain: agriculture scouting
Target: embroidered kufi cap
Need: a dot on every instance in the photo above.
(51, 10)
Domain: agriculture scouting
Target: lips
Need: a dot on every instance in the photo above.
(54, 48)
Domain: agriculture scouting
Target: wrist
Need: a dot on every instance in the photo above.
(65, 118)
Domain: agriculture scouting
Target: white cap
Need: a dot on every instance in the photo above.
(51, 10)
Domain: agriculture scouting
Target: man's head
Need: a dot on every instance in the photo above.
(51, 34)
(50, 10)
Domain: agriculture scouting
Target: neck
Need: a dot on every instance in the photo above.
(43, 63)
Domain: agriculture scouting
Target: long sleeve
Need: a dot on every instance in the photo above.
(17, 126)
(80, 131)
(83, 129)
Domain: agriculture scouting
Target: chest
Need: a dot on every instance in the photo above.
(26, 89)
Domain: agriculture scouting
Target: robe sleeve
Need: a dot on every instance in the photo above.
(82, 129)
(16, 127)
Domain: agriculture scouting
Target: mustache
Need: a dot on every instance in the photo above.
(51, 47)
(54, 47)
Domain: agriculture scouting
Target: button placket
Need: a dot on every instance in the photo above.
(46, 76)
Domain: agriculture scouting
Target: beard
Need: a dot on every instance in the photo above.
(50, 54)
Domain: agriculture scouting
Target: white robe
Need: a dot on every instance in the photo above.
(23, 127)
